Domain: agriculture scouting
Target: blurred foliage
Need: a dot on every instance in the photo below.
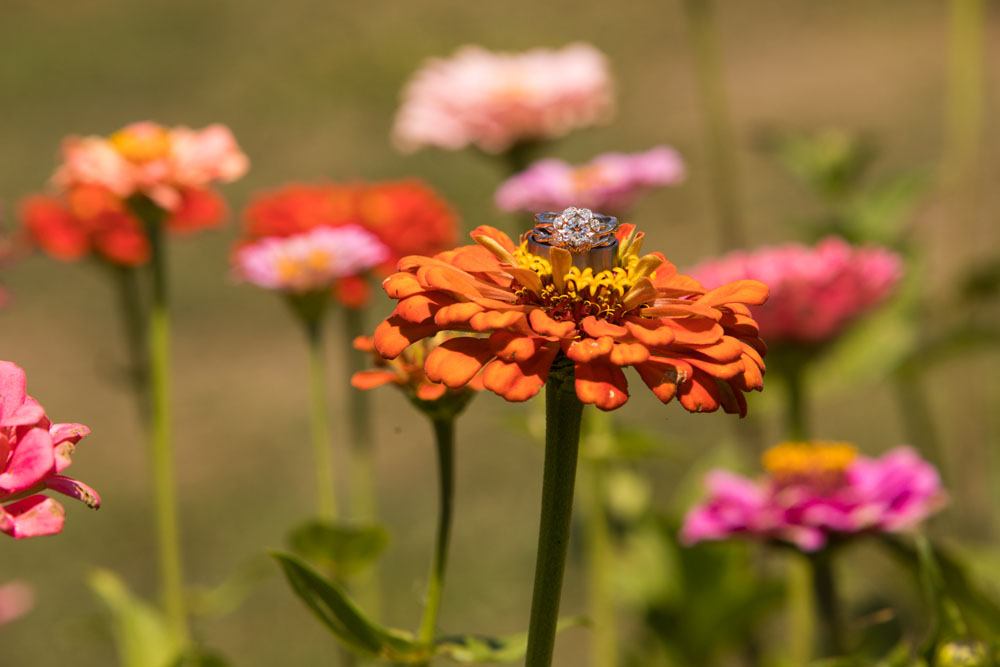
(339, 549)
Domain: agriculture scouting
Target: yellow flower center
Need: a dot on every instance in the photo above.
(588, 177)
(142, 143)
(580, 292)
(816, 461)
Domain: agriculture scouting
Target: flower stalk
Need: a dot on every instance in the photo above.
(326, 496)
(130, 308)
(563, 412)
(161, 437)
(828, 610)
(444, 436)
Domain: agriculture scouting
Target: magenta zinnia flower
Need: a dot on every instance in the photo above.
(310, 261)
(610, 182)
(33, 451)
(495, 100)
(815, 292)
(816, 491)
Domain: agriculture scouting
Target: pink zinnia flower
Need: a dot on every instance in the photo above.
(815, 292)
(147, 158)
(495, 100)
(310, 261)
(816, 491)
(33, 451)
(609, 183)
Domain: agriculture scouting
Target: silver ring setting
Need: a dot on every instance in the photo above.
(588, 236)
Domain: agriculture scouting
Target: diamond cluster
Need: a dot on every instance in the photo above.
(576, 229)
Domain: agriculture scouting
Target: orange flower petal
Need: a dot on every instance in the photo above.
(588, 349)
(742, 291)
(725, 350)
(700, 393)
(430, 391)
(496, 235)
(372, 379)
(401, 285)
(456, 314)
(396, 334)
(626, 354)
(521, 380)
(694, 331)
(663, 375)
(597, 328)
(364, 343)
(421, 307)
(603, 385)
(509, 346)
(492, 319)
(653, 333)
(457, 360)
(753, 377)
(546, 326)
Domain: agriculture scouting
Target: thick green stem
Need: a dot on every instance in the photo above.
(326, 496)
(719, 139)
(563, 411)
(828, 612)
(966, 85)
(363, 496)
(133, 322)
(444, 434)
(918, 417)
(796, 408)
(161, 440)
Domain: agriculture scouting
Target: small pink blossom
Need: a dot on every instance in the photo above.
(814, 292)
(16, 599)
(495, 100)
(309, 261)
(890, 494)
(147, 158)
(609, 183)
(33, 451)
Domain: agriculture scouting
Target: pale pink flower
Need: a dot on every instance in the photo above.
(33, 451)
(814, 292)
(815, 492)
(609, 183)
(495, 100)
(309, 261)
(16, 599)
(150, 159)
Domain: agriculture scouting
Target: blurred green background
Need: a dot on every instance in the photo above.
(309, 89)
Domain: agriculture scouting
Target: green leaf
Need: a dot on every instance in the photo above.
(198, 657)
(222, 599)
(877, 215)
(331, 605)
(339, 549)
(140, 631)
(477, 649)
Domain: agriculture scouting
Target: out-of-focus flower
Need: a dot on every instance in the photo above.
(815, 491)
(815, 292)
(496, 100)
(311, 261)
(515, 311)
(34, 452)
(152, 160)
(610, 182)
(92, 219)
(406, 216)
(406, 371)
(16, 599)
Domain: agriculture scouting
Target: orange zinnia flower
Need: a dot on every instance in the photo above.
(517, 311)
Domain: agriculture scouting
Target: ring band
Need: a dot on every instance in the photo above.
(588, 236)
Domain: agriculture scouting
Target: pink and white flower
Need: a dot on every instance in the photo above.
(817, 491)
(609, 183)
(150, 159)
(310, 261)
(815, 293)
(495, 100)
(33, 453)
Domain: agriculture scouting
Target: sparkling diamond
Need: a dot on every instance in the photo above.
(575, 228)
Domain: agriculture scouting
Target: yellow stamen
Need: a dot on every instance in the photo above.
(143, 143)
(809, 459)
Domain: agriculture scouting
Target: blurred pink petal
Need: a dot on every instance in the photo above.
(33, 516)
(29, 462)
(16, 599)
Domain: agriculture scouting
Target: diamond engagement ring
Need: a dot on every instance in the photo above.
(588, 236)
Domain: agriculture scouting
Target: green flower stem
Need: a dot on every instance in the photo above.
(326, 496)
(831, 620)
(563, 411)
(161, 439)
(130, 308)
(966, 85)
(722, 167)
(797, 409)
(444, 434)
(363, 496)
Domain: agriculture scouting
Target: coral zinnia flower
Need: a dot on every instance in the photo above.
(33, 451)
(496, 100)
(815, 292)
(406, 216)
(517, 311)
(152, 160)
(815, 491)
(610, 182)
(406, 371)
(92, 219)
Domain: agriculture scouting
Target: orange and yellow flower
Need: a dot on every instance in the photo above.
(406, 371)
(514, 312)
